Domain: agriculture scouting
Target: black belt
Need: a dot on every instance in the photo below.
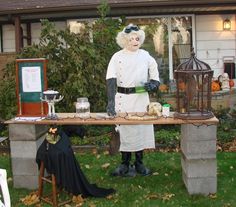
(126, 90)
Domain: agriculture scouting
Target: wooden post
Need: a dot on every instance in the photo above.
(28, 36)
(18, 34)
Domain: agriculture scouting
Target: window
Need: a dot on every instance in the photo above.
(168, 50)
(169, 39)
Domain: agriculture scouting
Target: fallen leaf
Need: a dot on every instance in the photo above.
(152, 196)
(213, 196)
(30, 199)
(87, 166)
(155, 173)
(78, 200)
(106, 165)
(109, 197)
(167, 196)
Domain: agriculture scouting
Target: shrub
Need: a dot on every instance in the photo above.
(76, 63)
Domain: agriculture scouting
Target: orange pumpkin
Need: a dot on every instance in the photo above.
(163, 88)
(231, 83)
(215, 86)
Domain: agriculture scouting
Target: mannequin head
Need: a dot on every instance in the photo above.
(130, 38)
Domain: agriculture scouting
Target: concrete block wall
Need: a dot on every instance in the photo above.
(198, 158)
(25, 140)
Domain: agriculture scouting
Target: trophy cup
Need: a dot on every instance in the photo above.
(51, 97)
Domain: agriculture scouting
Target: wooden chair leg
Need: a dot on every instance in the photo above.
(41, 175)
(52, 180)
(54, 191)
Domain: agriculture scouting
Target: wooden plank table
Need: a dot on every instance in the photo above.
(198, 146)
(102, 119)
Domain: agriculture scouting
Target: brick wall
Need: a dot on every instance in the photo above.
(4, 59)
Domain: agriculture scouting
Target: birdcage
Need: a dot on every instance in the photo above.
(193, 94)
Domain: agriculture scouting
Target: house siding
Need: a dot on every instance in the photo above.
(213, 43)
(9, 34)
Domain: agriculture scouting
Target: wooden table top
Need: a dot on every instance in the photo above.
(103, 119)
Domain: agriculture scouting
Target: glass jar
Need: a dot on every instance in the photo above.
(82, 108)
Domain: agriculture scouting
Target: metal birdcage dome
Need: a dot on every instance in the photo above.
(193, 94)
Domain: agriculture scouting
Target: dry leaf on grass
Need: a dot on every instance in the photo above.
(109, 197)
(213, 196)
(30, 199)
(78, 200)
(167, 196)
(155, 173)
(87, 166)
(152, 196)
(106, 165)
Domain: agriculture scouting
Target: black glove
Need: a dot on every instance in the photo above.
(111, 92)
(152, 85)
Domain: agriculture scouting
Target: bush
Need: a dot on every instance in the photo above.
(76, 66)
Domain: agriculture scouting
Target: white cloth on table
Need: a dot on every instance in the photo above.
(133, 69)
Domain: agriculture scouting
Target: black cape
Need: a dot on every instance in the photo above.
(59, 160)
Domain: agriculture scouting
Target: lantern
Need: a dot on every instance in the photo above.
(193, 94)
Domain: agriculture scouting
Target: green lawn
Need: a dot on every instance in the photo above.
(164, 188)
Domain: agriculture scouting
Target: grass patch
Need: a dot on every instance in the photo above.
(164, 188)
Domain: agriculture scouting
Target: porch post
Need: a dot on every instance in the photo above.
(18, 34)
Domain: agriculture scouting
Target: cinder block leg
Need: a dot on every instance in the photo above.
(25, 140)
(198, 158)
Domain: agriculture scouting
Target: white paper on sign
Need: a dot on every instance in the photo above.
(31, 79)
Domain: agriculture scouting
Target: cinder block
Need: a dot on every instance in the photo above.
(26, 132)
(200, 185)
(199, 167)
(198, 149)
(24, 166)
(23, 181)
(196, 133)
(25, 149)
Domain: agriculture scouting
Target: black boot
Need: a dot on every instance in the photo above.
(139, 166)
(124, 170)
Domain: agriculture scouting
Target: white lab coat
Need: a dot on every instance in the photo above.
(133, 69)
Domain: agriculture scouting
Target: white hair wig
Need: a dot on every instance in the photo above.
(123, 37)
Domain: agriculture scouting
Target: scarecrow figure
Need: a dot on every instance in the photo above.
(130, 70)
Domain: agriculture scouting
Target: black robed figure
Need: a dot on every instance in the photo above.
(59, 160)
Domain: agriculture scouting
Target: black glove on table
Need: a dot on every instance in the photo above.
(152, 85)
(111, 92)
